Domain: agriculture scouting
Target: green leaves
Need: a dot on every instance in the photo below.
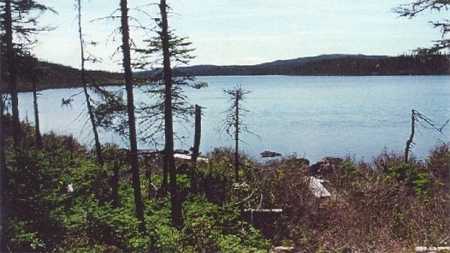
(419, 180)
(219, 229)
(23, 238)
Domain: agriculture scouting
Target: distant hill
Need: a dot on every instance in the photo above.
(336, 64)
(60, 76)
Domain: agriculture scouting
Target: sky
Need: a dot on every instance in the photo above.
(226, 32)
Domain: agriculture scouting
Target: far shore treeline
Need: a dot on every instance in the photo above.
(60, 76)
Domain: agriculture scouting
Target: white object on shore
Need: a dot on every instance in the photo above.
(188, 157)
(70, 188)
(282, 249)
(431, 249)
(317, 188)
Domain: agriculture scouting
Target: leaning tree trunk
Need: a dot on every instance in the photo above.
(36, 115)
(12, 75)
(128, 75)
(98, 147)
(176, 206)
(410, 140)
(236, 138)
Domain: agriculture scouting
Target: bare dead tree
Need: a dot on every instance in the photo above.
(36, 114)
(3, 177)
(410, 140)
(234, 124)
(3, 170)
(113, 113)
(128, 76)
(30, 71)
(419, 118)
(12, 70)
(197, 135)
(92, 118)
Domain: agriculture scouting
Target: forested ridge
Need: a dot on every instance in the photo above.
(358, 65)
(60, 76)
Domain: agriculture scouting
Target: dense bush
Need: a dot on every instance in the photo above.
(385, 206)
(61, 200)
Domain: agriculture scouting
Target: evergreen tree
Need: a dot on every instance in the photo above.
(19, 21)
(167, 51)
(169, 160)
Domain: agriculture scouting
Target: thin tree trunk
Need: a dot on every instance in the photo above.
(411, 137)
(165, 180)
(3, 179)
(236, 138)
(12, 75)
(36, 115)
(128, 75)
(148, 174)
(98, 147)
(196, 147)
(176, 206)
(115, 185)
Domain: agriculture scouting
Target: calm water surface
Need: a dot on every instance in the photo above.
(310, 116)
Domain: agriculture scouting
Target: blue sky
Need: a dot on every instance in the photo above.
(248, 31)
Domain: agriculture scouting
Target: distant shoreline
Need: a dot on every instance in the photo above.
(117, 84)
(60, 76)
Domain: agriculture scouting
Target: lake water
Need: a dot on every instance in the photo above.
(309, 116)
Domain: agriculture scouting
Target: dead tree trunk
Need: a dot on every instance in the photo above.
(98, 147)
(165, 180)
(12, 75)
(148, 174)
(236, 137)
(3, 179)
(36, 115)
(196, 147)
(410, 141)
(169, 162)
(128, 76)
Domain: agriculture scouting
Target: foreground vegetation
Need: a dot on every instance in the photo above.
(47, 216)
(62, 201)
